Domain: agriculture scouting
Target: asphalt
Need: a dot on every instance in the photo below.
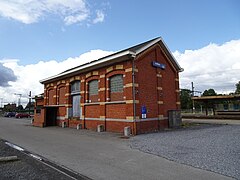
(96, 155)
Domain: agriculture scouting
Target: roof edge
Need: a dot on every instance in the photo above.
(117, 55)
(180, 69)
(90, 64)
(147, 46)
(170, 53)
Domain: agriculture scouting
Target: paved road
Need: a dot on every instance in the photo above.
(96, 155)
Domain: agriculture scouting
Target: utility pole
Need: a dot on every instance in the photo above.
(192, 90)
(19, 99)
(29, 102)
(192, 95)
(193, 104)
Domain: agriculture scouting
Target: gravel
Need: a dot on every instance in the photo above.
(210, 147)
(26, 167)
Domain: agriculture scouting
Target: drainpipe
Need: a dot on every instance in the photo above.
(134, 95)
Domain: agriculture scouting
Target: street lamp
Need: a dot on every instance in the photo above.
(19, 99)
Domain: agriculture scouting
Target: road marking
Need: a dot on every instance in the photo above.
(14, 146)
(67, 172)
(36, 157)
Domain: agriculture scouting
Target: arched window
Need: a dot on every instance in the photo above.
(116, 83)
(51, 97)
(76, 98)
(75, 87)
(93, 91)
(93, 87)
(61, 95)
(116, 87)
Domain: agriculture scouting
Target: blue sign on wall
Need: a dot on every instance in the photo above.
(144, 112)
(158, 65)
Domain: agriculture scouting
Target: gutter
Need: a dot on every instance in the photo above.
(134, 95)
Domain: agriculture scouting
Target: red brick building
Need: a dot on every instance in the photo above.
(134, 87)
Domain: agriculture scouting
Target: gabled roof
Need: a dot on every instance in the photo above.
(119, 56)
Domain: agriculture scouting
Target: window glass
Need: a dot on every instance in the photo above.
(116, 83)
(75, 92)
(76, 105)
(75, 87)
(93, 87)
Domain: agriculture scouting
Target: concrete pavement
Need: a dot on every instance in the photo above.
(96, 155)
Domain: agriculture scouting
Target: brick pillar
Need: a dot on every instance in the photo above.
(102, 96)
(178, 104)
(107, 95)
(68, 99)
(86, 92)
(128, 93)
(55, 95)
(45, 96)
(68, 94)
(83, 100)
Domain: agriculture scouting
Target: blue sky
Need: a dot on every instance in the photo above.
(183, 25)
(35, 36)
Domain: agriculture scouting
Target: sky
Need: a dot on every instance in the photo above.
(35, 36)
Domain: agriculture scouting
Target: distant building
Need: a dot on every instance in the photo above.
(10, 107)
(221, 104)
(134, 87)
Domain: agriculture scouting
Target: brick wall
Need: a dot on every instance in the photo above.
(92, 111)
(116, 111)
(156, 89)
(38, 119)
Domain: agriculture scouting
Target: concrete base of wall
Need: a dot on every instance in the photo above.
(112, 126)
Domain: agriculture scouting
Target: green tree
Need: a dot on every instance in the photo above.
(20, 107)
(209, 92)
(209, 104)
(237, 88)
(185, 98)
(29, 105)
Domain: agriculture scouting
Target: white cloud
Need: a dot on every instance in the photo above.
(99, 18)
(74, 19)
(214, 66)
(29, 75)
(6, 76)
(24, 11)
(31, 11)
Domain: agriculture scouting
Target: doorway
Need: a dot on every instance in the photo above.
(51, 116)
